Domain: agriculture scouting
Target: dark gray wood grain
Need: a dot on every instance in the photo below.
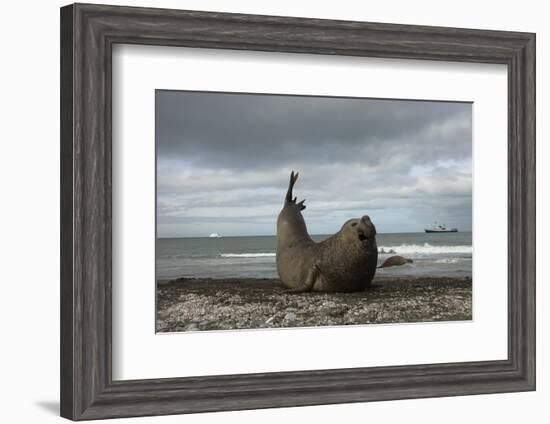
(66, 211)
(88, 33)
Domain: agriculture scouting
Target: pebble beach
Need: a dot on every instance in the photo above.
(202, 304)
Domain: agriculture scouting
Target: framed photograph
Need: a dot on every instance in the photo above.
(226, 261)
(196, 277)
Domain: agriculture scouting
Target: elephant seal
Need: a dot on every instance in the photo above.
(345, 262)
(395, 261)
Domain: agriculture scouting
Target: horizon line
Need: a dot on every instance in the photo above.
(274, 235)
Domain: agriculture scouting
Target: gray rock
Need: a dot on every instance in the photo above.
(290, 317)
(163, 314)
(269, 320)
(336, 311)
(192, 327)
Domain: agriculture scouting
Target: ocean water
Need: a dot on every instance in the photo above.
(433, 255)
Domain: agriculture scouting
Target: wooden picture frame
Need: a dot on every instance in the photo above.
(88, 33)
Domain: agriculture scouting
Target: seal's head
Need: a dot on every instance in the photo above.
(360, 230)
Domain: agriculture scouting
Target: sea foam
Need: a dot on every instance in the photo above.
(426, 248)
(247, 255)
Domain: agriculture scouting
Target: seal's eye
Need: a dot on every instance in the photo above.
(354, 224)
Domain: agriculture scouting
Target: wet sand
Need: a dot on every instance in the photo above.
(227, 304)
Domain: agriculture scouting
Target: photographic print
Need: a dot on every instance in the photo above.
(385, 235)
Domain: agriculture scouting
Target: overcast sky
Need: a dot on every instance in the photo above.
(223, 162)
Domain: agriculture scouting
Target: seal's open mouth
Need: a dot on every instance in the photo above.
(364, 236)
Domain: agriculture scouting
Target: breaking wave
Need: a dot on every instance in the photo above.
(449, 260)
(426, 248)
(247, 255)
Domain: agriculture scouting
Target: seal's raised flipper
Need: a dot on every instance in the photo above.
(293, 179)
(292, 200)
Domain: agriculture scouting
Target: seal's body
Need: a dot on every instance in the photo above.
(345, 262)
(395, 261)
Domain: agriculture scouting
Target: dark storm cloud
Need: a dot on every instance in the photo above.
(253, 131)
(224, 160)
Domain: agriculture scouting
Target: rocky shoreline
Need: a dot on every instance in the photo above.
(226, 304)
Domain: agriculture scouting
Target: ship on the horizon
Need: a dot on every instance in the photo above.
(214, 235)
(438, 228)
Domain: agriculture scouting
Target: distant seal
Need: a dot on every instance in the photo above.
(345, 262)
(395, 261)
